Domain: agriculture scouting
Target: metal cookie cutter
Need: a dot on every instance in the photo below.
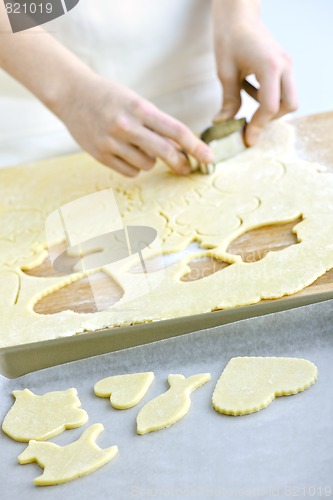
(225, 139)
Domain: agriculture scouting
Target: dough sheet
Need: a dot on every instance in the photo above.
(264, 185)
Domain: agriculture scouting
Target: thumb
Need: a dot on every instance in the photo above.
(231, 99)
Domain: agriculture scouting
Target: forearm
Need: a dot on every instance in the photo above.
(111, 122)
(40, 63)
(230, 16)
(244, 46)
(230, 10)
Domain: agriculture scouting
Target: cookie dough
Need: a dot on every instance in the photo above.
(249, 384)
(125, 391)
(168, 408)
(263, 185)
(42, 417)
(65, 463)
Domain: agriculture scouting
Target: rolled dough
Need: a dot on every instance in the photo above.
(264, 185)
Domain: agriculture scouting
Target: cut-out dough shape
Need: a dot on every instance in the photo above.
(125, 391)
(249, 384)
(42, 417)
(65, 463)
(172, 405)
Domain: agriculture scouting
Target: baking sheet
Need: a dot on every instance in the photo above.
(17, 360)
(285, 450)
(21, 359)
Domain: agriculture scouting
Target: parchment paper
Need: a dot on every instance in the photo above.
(285, 450)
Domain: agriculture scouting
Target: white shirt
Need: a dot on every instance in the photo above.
(162, 49)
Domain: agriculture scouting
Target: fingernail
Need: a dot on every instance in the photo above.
(185, 170)
(252, 135)
(173, 159)
(208, 156)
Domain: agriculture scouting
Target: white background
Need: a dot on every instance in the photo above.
(305, 29)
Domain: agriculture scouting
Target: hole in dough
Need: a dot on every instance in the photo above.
(163, 261)
(78, 296)
(324, 280)
(202, 267)
(255, 244)
(45, 269)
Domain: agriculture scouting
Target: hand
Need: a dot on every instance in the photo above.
(244, 46)
(125, 131)
(119, 128)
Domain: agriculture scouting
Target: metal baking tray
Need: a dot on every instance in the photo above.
(285, 450)
(21, 359)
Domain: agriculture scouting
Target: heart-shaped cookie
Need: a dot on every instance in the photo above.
(249, 384)
(124, 391)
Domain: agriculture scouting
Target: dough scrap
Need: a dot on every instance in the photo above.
(172, 405)
(42, 417)
(249, 384)
(266, 184)
(125, 391)
(65, 463)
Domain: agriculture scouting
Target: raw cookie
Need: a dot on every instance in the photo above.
(171, 406)
(125, 391)
(42, 417)
(249, 384)
(64, 463)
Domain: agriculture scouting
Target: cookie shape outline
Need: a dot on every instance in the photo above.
(250, 384)
(170, 406)
(42, 417)
(124, 391)
(65, 463)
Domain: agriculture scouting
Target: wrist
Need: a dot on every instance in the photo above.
(66, 88)
(231, 20)
(231, 15)
(237, 7)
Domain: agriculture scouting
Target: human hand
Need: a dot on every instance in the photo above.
(125, 131)
(244, 46)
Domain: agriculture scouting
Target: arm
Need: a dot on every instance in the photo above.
(112, 123)
(244, 46)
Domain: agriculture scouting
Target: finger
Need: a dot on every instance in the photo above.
(168, 127)
(269, 99)
(289, 100)
(159, 147)
(119, 165)
(133, 156)
(231, 97)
